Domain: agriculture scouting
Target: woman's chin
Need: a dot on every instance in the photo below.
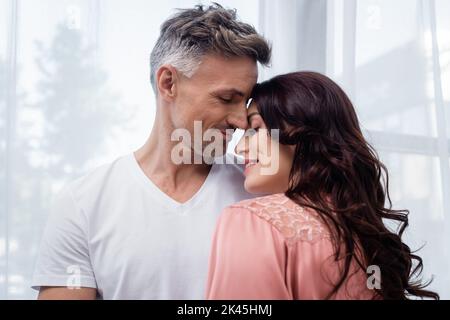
(254, 187)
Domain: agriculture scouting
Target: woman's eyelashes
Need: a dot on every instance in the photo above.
(255, 124)
(252, 131)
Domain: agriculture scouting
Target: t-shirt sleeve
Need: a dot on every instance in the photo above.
(63, 259)
(247, 260)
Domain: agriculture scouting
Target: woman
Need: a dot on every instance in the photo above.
(319, 233)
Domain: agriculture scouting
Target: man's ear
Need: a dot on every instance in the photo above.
(167, 82)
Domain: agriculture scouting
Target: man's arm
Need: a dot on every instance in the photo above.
(63, 262)
(62, 293)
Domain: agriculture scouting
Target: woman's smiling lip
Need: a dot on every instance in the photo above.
(249, 164)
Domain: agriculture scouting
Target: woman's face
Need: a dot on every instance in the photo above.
(267, 163)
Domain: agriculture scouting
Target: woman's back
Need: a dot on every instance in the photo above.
(271, 248)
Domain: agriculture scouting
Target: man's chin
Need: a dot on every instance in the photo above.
(215, 149)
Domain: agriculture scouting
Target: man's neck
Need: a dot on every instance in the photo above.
(180, 182)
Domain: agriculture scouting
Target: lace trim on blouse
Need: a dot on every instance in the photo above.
(294, 222)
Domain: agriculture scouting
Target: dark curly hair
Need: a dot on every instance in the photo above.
(338, 174)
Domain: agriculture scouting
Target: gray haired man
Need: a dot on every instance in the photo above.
(140, 228)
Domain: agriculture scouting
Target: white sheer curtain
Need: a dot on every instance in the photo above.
(393, 59)
(74, 93)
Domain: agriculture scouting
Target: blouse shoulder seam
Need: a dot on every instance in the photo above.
(254, 214)
(288, 241)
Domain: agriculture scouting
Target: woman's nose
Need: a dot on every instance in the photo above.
(242, 146)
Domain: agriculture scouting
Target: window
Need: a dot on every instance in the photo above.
(75, 93)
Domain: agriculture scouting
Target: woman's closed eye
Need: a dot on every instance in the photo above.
(252, 131)
(255, 123)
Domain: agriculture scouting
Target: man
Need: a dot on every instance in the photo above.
(140, 228)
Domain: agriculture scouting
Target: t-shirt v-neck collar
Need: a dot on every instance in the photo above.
(163, 198)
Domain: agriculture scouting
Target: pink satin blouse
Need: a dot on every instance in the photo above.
(271, 248)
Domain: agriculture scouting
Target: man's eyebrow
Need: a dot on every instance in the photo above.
(232, 91)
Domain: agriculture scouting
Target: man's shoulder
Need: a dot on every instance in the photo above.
(95, 181)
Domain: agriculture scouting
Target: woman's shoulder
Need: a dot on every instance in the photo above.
(294, 222)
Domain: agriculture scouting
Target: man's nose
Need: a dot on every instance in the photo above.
(238, 117)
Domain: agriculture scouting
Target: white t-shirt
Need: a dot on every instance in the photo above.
(116, 231)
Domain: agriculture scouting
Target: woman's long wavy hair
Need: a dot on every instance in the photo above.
(338, 174)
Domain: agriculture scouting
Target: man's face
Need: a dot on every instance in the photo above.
(216, 95)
